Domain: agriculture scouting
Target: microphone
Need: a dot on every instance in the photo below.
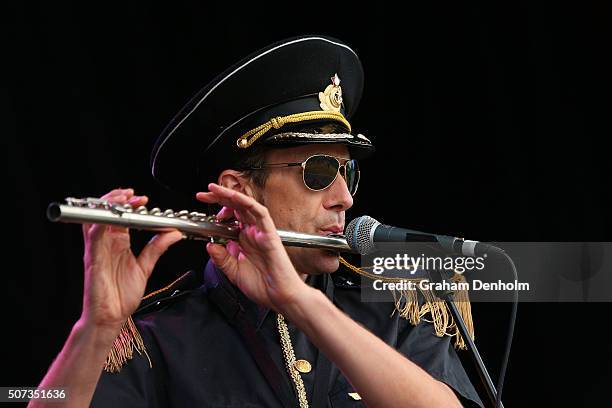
(362, 234)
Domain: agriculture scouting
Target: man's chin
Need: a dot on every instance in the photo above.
(325, 261)
(314, 261)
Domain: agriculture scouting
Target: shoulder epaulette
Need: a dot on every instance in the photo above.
(161, 298)
(129, 339)
(410, 308)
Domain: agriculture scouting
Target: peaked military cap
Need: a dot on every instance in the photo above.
(269, 98)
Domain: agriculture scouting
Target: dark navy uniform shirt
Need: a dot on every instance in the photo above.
(200, 359)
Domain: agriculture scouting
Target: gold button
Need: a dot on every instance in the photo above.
(302, 366)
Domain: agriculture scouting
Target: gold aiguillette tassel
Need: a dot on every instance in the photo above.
(127, 341)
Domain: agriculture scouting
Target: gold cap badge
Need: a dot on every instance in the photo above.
(331, 98)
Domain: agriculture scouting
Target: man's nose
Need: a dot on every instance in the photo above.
(338, 197)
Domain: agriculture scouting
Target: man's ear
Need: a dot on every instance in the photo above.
(234, 180)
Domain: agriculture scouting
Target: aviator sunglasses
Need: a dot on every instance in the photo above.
(320, 171)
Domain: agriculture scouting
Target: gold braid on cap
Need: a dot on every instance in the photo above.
(252, 135)
(437, 309)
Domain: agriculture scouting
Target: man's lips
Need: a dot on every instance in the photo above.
(333, 229)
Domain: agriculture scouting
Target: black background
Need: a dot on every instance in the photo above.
(490, 122)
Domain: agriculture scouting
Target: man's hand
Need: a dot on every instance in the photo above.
(115, 279)
(258, 263)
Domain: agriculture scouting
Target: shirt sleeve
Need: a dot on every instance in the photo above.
(437, 356)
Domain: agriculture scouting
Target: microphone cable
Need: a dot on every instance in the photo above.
(512, 323)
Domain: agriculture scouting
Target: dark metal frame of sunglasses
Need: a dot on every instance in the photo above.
(303, 165)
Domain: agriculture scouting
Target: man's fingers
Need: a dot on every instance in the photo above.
(137, 201)
(242, 202)
(233, 248)
(226, 197)
(134, 201)
(223, 260)
(128, 192)
(119, 199)
(155, 248)
(86, 229)
(96, 231)
(120, 196)
(225, 214)
(207, 197)
(242, 212)
(127, 198)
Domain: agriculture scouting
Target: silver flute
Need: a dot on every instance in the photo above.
(193, 225)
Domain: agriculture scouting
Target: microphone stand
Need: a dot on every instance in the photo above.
(448, 297)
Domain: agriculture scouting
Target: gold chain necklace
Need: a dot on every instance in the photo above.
(289, 356)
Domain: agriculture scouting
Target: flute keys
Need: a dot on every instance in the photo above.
(128, 208)
(198, 216)
(183, 214)
(168, 213)
(141, 210)
(155, 211)
(92, 202)
(73, 201)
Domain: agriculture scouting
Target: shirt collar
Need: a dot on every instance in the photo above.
(213, 276)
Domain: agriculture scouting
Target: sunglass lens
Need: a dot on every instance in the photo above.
(352, 176)
(320, 172)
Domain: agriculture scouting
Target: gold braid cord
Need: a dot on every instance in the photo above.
(289, 356)
(437, 309)
(252, 135)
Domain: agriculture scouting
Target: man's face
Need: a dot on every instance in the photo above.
(294, 207)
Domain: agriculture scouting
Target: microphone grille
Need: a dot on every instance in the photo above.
(358, 234)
